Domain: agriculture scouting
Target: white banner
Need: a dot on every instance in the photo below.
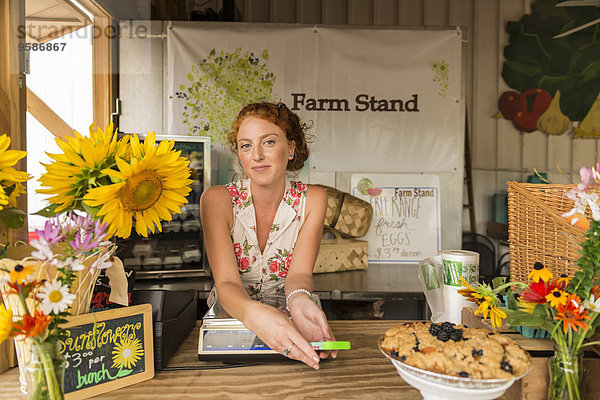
(379, 100)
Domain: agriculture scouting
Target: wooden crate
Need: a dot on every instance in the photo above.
(534, 386)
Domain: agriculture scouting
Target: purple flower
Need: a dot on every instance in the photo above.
(51, 232)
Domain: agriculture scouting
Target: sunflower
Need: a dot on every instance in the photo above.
(5, 323)
(557, 297)
(80, 166)
(571, 314)
(489, 305)
(540, 272)
(151, 187)
(10, 178)
(127, 353)
(563, 279)
(469, 292)
(526, 306)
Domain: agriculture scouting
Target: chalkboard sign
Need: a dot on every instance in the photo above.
(107, 350)
(406, 215)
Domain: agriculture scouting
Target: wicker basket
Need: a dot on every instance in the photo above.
(347, 214)
(341, 255)
(538, 232)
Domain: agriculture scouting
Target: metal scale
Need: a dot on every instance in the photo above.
(223, 338)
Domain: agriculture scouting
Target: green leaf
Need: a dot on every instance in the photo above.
(91, 211)
(499, 281)
(12, 217)
(124, 372)
(512, 302)
(48, 212)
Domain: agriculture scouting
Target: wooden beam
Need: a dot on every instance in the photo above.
(4, 113)
(104, 62)
(46, 116)
(12, 95)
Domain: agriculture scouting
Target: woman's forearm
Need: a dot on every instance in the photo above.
(235, 300)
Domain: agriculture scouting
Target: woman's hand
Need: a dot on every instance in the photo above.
(277, 331)
(311, 321)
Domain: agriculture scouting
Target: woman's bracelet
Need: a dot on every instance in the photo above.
(293, 292)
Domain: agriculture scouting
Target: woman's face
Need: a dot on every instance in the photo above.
(264, 150)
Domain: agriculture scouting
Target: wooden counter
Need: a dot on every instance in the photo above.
(361, 373)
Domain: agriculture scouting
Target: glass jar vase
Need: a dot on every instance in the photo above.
(45, 372)
(566, 374)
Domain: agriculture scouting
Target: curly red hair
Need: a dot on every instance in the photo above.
(280, 115)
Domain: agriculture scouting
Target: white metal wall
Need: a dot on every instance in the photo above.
(499, 152)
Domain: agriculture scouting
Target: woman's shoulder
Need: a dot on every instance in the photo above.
(316, 197)
(216, 195)
(317, 192)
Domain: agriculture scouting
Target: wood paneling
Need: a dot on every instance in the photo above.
(308, 11)
(335, 12)
(385, 12)
(283, 11)
(12, 96)
(411, 12)
(435, 12)
(360, 12)
(256, 10)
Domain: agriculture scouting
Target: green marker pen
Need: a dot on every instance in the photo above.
(330, 345)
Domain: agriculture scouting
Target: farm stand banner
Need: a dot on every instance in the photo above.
(377, 100)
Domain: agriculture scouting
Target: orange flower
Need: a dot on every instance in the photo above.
(580, 221)
(33, 325)
(572, 314)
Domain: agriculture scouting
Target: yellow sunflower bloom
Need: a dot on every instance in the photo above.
(10, 178)
(540, 272)
(557, 297)
(127, 353)
(150, 188)
(526, 306)
(3, 198)
(79, 168)
(563, 278)
(20, 274)
(496, 316)
(5, 322)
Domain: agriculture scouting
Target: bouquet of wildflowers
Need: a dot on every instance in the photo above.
(40, 291)
(567, 307)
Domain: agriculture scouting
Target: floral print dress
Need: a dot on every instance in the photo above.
(263, 274)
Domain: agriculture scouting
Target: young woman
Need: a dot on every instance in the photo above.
(262, 234)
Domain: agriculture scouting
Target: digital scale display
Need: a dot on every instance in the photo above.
(232, 340)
